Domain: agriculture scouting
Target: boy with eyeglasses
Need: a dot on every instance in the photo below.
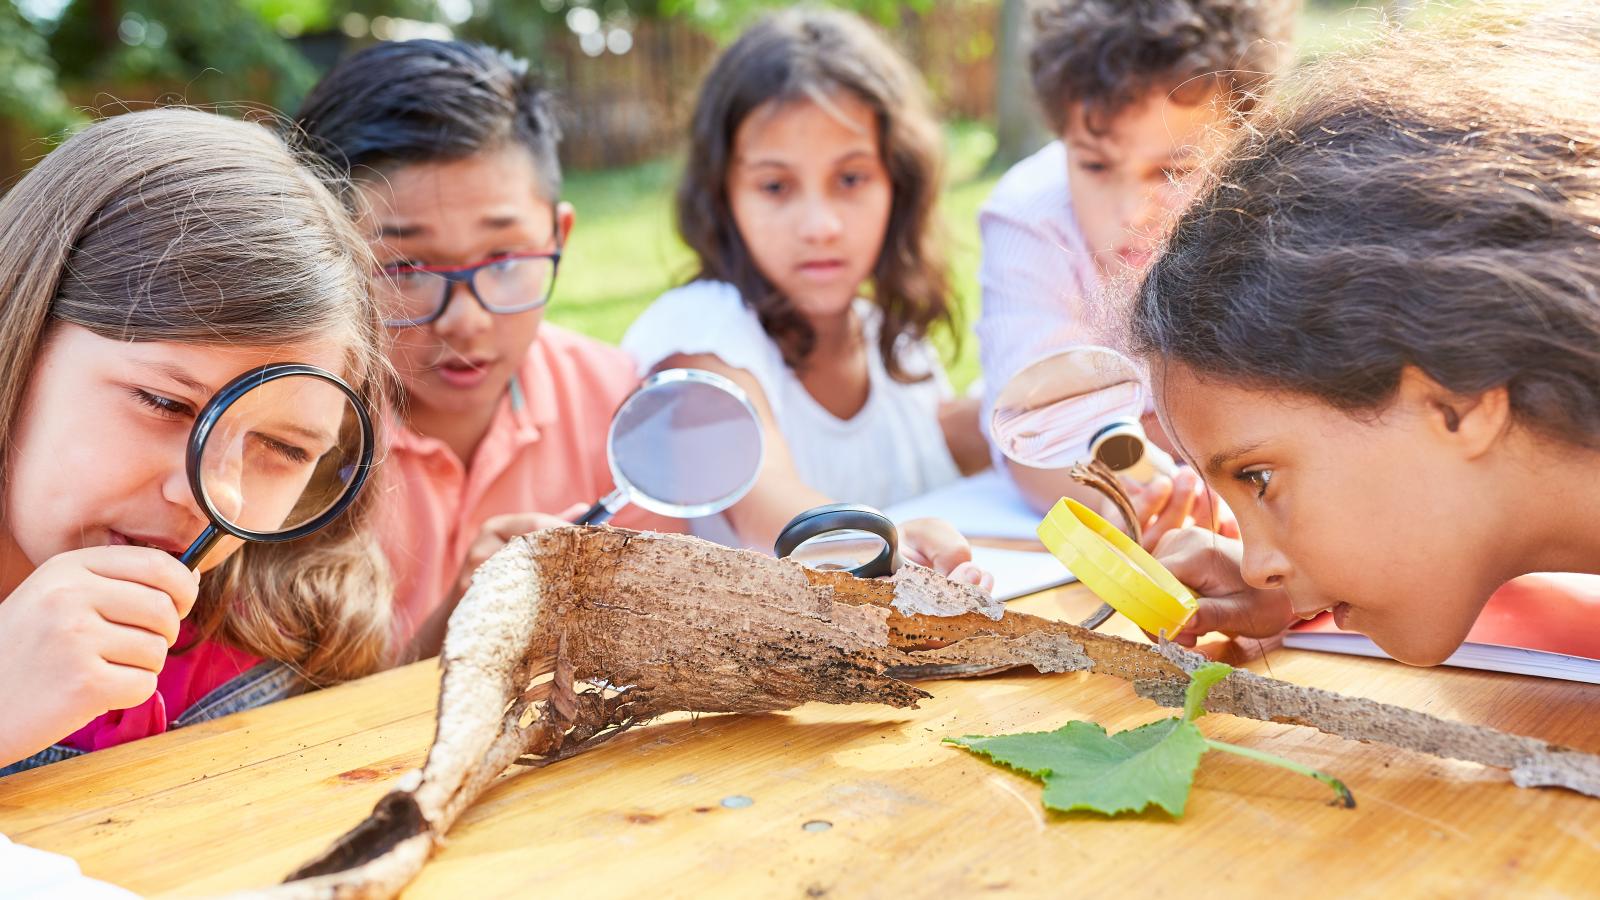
(502, 424)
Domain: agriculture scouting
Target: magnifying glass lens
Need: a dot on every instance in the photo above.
(686, 445)
(282, 454)
(842, 550)
(1046, 416)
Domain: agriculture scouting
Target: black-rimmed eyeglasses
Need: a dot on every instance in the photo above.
(505, 284)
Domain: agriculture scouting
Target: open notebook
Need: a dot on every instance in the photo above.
(1546, 625)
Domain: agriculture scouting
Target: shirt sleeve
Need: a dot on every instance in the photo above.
(1033, 299)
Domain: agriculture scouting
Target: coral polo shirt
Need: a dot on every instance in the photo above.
(545, 451)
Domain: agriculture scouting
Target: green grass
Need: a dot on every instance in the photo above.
(625, 252)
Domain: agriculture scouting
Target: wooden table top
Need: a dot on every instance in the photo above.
(847, 801)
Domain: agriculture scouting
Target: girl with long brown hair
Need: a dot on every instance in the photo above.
(144, 264)
(809, 201)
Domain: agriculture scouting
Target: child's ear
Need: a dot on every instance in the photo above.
(1471, 422)
(566, 217)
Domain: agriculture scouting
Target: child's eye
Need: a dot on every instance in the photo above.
(288, 453)
(166, 406)
(853, 179)
(1259, 479)
(1094, 167)
(772, 188)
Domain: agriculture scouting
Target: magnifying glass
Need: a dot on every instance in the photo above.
(686, 443)
(278, 453)
(1117, 569)
(846, 537)
(1077, 405)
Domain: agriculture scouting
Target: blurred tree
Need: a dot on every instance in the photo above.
(1017, 128)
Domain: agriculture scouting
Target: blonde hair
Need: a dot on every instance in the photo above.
(183, 226)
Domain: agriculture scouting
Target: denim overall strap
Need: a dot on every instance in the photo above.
(43, 758)
(257, 686)
(263, 683)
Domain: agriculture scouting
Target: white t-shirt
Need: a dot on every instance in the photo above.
(891, 450)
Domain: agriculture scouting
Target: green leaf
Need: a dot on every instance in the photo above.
(1200, 682)
(1085, 768)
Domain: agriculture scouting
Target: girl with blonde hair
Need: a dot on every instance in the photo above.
(144, 264)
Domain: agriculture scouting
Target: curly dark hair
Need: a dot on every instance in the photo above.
(796, 54)
(422, 101)
(1430, 203)
(1103, 56)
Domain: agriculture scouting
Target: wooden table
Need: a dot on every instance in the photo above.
(856, 801)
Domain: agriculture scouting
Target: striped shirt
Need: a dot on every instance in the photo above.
(1035, 275)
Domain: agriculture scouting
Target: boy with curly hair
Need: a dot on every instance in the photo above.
(1134, 91)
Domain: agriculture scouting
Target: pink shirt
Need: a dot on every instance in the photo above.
(184, 679)
(545, 451)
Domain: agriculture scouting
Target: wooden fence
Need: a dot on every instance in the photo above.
(623, 109)
(626, 108)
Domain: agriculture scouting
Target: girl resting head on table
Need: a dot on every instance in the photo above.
(1377, 336)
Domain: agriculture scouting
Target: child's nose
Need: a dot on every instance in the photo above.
(463, 315)
(175, 489)
(820, 222)
(1263, 566)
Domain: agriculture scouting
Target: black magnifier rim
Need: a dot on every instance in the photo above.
(225, 398)
(844, 517)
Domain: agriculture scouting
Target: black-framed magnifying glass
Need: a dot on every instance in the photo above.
(277, 454)
(848, 537)
(686, 443)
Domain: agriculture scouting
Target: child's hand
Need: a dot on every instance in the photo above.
(499, 529)
(1168, 504)
(937, 544)
(87, 632)
(1209, 564)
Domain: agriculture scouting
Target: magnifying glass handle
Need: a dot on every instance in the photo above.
(604, 509)
(201, 546)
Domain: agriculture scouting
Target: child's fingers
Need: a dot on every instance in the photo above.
(510, 525)
(137, 606)
(1148, 499)
(146, 566)
(132, 647)
(117, 686)
(1179, 507)
(969, 573)
(1237, 616)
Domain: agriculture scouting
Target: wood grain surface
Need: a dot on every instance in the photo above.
(852, 801)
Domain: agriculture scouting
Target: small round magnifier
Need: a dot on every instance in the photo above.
(277, 454)
(847, 537)
(686, 443)
(1073, 406)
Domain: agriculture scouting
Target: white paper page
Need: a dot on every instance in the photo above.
(1018, 573)
(30, 874)
(984, 505)
(1488, 657)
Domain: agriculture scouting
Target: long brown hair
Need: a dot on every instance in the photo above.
(1433, 202)
(806, 53)
(177, 225)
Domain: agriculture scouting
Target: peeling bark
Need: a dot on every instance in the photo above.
(568, 637)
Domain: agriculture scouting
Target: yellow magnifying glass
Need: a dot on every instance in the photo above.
(1117, 569)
